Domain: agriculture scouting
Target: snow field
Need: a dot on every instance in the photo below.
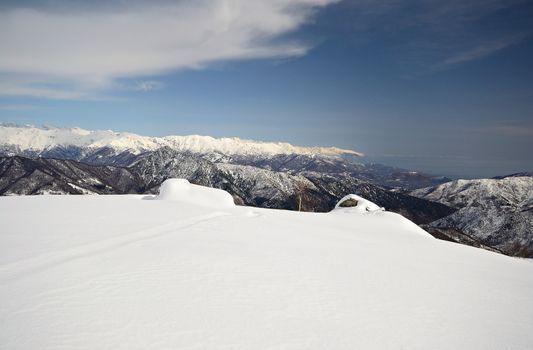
(120, 272)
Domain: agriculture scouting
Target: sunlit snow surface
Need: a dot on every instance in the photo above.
(130, 272)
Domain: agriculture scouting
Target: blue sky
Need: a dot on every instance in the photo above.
(443, 87)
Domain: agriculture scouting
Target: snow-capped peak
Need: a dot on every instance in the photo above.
(31, 138)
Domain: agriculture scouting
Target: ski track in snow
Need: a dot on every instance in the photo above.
(20, 269)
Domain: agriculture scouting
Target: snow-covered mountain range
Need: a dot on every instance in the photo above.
(497, 212)
(125, 149)
(44, 140)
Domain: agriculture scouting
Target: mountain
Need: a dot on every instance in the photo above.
(343, 165)
(248, 185)
(189, 270)
(84, 144)
(19, 175)
(125, 149)
(496, 212)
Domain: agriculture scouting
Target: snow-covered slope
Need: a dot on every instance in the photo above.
(38, 140)
(498, 212)
(124, 272)
(507, 192)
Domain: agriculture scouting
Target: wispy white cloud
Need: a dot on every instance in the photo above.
(481, 50)
(76, 53)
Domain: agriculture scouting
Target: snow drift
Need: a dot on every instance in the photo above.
(180, 190)
(356, 204)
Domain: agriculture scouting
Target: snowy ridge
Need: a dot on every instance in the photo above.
(31, 138)
(498, 212)
(509, 191)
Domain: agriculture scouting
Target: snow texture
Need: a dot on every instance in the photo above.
(120, 272)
